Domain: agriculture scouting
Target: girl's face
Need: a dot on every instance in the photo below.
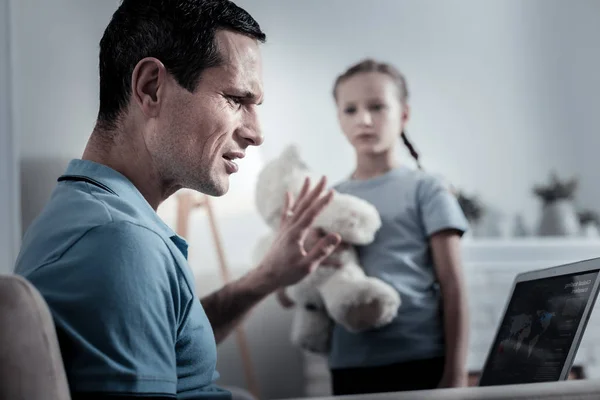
(370, 112)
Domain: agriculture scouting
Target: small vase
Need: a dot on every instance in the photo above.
(493, 224)
(520, 227)
(590, 230)
(469, 233)
(559, 218)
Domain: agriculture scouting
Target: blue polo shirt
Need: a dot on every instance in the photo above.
(122, 296)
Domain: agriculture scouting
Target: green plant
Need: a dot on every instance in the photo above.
(588, 216)
(556, 189)
(471, 206)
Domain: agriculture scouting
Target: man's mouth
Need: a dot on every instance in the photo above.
(230, 158)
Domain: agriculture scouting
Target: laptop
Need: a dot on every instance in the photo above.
(542, 324)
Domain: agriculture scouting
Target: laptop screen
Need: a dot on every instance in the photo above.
(538, 329)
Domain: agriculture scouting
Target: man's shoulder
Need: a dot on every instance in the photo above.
(113, 262)
(82, 225)
(111, 246)
(79, 206)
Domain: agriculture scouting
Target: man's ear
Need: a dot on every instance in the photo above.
(148, 83)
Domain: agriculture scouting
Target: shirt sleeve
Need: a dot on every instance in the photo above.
(439, 208)
(112, 298)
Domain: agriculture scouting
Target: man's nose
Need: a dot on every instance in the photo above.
(252, 136)
(251, 131)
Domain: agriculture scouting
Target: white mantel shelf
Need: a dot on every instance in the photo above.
(490, 265)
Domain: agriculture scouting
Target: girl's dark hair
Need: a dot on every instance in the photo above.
(370, 65)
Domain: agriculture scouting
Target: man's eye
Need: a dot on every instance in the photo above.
(236, 101)
(350, 110)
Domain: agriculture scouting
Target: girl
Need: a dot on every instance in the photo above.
(417, 249)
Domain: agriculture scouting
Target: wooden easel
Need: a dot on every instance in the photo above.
(186, 203)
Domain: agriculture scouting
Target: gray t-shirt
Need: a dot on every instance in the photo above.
(413, 205)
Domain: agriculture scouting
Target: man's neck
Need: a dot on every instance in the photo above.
(126, 153)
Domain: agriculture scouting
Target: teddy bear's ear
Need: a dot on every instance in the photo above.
(291, 155)
(290, 152)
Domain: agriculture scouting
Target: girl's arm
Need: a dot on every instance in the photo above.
(447, 260)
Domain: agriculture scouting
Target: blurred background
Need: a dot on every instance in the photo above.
(504, 93)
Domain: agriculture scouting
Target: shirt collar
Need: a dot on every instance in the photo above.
(126, 190)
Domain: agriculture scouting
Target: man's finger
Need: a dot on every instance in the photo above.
(323, 249)
(310, 214)
(287, 205)
(303, 191)
(309, 198)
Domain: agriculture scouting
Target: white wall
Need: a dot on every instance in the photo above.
(579, 90)
(502, 91)
(488, 82)
(56, 83)
(497, 100)
(9, 194)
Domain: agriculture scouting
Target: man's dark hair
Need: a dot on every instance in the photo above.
(180, 33)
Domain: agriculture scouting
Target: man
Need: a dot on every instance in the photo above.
(180, 82)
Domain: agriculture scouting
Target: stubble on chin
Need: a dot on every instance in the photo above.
(207, 180)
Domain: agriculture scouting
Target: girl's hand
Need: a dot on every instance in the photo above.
(453, 379)
(314, 236)
(283, 298)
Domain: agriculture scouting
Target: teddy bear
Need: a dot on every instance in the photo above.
(340, 293)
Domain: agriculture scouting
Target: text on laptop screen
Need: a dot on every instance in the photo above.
(538, 329)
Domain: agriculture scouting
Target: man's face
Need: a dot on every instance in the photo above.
(200, 135)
